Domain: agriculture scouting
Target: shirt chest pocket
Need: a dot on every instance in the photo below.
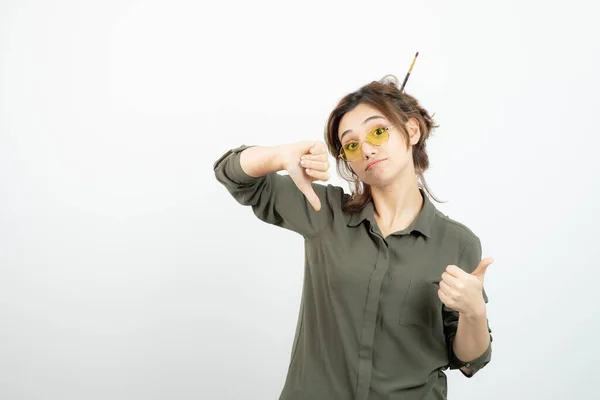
(421, 306)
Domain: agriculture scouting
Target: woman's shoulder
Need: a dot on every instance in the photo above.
(452, 228)
(333, 200)
(334, 194)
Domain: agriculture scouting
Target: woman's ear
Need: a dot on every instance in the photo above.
(414, 132)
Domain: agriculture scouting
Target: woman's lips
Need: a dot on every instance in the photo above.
(374, 163)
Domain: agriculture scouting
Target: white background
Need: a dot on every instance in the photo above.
(127, 272)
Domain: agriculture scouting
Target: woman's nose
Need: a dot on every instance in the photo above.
(368, 149)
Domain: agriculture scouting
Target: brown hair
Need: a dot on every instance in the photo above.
(398, 107)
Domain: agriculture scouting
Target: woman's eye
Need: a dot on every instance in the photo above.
(352, 146)
(379, 131)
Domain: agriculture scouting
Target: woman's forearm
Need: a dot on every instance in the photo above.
(259, 161)
(472, 338)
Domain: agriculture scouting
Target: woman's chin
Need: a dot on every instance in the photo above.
(379, 179)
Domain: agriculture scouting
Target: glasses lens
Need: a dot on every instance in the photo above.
(350, 151)
(378, 136)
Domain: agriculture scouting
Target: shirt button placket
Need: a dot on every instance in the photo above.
(369, 321)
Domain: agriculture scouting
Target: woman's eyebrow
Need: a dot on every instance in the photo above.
(364, 122)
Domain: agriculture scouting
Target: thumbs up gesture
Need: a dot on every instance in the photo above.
(463, 292)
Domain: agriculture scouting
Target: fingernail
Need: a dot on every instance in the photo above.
(302, 162)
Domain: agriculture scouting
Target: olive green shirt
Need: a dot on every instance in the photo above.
(371, 325)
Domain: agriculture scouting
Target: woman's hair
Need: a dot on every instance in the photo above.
(396, 106)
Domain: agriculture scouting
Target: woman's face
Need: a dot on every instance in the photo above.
(378, 165)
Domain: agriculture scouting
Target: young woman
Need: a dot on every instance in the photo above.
(393, 290)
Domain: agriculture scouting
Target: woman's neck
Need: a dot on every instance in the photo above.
(397, 205)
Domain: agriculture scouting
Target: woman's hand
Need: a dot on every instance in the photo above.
(306, 162)
(463, 292)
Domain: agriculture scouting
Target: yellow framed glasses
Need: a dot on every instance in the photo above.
(352, 151)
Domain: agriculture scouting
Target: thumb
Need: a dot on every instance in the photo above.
(482, 268)
(311, 196)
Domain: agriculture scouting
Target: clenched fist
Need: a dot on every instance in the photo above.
(463, 292)
(306, 162)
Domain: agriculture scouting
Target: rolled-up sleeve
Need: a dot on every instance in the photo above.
(469, 259)
(274, 198)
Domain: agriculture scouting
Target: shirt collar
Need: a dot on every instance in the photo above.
(422, 222)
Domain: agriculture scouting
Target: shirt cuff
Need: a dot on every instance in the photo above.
(474, 365)
(229, 165)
